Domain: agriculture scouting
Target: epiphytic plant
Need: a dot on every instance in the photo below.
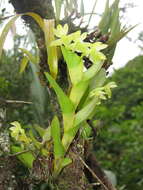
(86, 90)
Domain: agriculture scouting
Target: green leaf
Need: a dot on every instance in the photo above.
(123, 32)
(66, 105)
(37, 18)
(58, 5)
(77, 92)
(86, 131)
(75, 65)
(26, 158)
(8, 26)
(47, 135)
(69, 136)
(29, 55)
(5, 32)
(35, 142)
(85, 112)
(38, 93)
(98, 80)
(83, 99)
(65, 162)
(40, 130)
(23, 64)
(59, 164)
(56, 43)
(105, 21)
(56, 135)
(115, 24)
(51, 50)
(92, 71)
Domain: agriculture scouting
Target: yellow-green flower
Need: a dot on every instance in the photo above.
(18, 133)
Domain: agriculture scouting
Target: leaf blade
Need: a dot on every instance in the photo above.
(29, 55)
(56, 135)
(23, 64)
(66, 105)
(51, 50)
(5, 32)
(74, 64)
(26, 158)
(85, 112)
(37, 18)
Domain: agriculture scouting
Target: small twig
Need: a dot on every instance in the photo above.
(92, 172)
(7, 17)
(17, 102)
(14, 101)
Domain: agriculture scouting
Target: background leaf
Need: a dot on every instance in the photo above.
(58, 5)
(31, 58)
(23, 64)
(5, 32)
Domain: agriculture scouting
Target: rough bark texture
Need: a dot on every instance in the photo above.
(92, 162)
(42, 7)
(73, 175)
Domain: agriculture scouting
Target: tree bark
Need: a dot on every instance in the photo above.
(42, 7)
(103, 180)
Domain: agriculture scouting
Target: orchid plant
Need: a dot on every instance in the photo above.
(86, 91)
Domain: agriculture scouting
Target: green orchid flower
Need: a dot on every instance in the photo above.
(18, 133)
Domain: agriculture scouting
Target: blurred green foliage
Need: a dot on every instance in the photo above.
(14, 87)
(17, 87)
(119, 145)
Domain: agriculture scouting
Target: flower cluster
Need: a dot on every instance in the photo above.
(18, 133)
(75, 42)
(103, 92)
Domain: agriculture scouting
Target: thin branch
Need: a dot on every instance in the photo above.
(7, 17)
(13, 101)
(17, 102)
(93, 174)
